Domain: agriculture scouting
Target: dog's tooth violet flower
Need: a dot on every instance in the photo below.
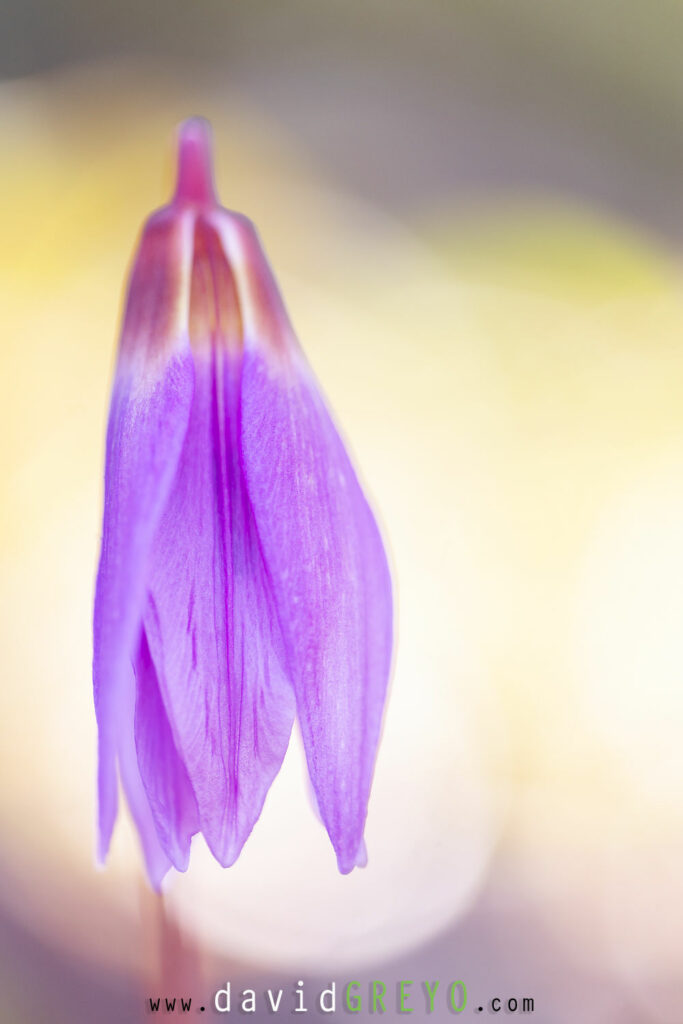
(242, 579)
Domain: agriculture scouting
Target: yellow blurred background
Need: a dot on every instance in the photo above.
(475, 219)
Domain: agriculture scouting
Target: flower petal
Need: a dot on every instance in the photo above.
(157, 861)
(147, 423)
(211, 621)
(171, 799)
(332, 585)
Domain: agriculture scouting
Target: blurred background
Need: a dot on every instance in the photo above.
(475, 214)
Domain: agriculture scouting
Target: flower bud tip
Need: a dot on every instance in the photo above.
(195, 163)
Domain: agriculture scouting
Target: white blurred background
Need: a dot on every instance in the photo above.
(474, 215)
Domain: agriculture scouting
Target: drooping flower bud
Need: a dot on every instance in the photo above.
(242, 578)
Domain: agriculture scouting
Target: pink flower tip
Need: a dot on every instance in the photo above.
(195, 163)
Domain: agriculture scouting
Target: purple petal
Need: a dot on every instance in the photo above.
(147, 424)
(171, 799)
(332, 586)
(265, 323)
(211, 621)
(157, 861)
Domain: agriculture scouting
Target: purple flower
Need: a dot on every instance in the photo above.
(242, 578)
